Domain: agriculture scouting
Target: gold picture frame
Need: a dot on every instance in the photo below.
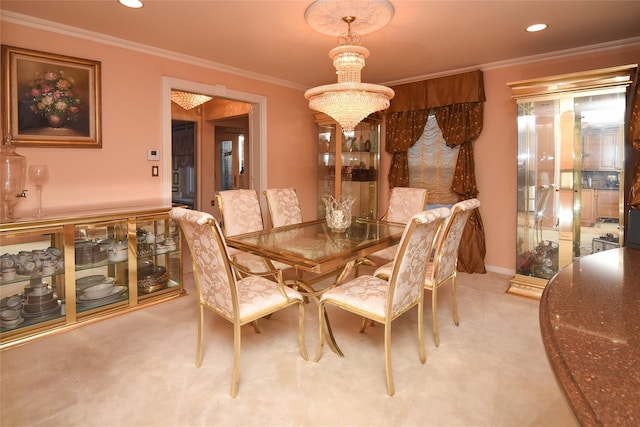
(50, 100)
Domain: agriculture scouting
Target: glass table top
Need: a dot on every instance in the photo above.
(312, 246)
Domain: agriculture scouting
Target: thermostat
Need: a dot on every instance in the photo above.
(153, 154)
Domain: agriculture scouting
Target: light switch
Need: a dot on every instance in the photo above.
(153, 154)
(154, 171)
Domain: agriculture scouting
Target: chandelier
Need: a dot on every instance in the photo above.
(349, 101)
(188, 100)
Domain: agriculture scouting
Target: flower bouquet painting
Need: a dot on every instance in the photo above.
(51, 97)
(51, 100)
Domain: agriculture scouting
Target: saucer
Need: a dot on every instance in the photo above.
(12, 324)
(116, 291)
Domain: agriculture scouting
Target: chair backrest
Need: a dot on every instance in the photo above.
(446, 251)
(404, 202)
(410, 265)
(214, 279)
(240, 210)
(284, 206)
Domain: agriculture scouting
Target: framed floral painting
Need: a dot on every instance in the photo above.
(50, 100)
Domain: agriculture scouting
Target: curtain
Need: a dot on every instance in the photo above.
(457, 102)
(633, 132)
(461, 124)
(403, 130)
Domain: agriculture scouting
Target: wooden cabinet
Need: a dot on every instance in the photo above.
(602, 150)
(136, 250)
(598, 204)
(588, 209)
(348, 165)
(608, 204)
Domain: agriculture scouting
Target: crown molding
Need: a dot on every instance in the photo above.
(67, 30)
(602, 47)
(41, 24)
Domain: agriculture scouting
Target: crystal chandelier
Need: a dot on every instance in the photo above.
(349, 101)
(188, 100)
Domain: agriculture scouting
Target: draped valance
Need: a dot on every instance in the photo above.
(426, 94)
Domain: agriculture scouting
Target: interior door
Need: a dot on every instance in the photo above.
(231, 146)
(184, 163)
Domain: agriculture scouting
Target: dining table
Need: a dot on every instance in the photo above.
(320, 257)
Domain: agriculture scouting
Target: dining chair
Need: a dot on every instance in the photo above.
(284, 206)
(443, 269)
(228, 289)
(385, 300)
(404, 202)
(241, 213)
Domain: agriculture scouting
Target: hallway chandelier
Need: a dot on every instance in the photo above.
(349, 101)
(188, 100)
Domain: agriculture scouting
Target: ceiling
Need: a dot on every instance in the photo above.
(270, 40)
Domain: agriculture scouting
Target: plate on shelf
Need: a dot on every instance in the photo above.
(87, 281)
(115, 292)
(45, 313)
(11, 324)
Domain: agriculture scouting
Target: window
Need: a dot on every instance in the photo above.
(432, 164)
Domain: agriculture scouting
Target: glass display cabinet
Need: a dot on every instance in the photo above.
(348, 165)
(570, 171)
(62, 270)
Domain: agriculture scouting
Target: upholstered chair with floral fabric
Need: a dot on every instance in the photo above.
(241, 213)
(383, 300)
(404, 202)
(443, 269)
(227, 289)
(284, 206)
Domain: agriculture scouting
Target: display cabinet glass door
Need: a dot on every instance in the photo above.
(570, 171)
(348, 166)
(32, 282)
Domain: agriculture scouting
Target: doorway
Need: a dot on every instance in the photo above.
(254, 174)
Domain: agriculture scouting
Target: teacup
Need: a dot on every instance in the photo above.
(49, 267)
(13, 301)
(8, 273)
(37, 289)
(7, 262)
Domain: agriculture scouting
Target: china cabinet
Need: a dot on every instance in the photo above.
(570, 171)
(67, 269)
(348, 164)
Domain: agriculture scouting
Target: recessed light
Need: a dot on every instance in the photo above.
(135, 4)
(536, 27)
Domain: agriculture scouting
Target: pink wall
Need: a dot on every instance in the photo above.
(119, 173)
(131, 116)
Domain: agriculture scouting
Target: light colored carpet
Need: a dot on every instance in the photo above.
(138, 370)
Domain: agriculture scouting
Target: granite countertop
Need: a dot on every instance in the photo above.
(590, 323)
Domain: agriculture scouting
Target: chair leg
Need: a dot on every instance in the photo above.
(366, 321)
(434, 314)
(364, 324)
(320, 331)
(200, 336)
(303, 346)
(236, 359)
(454, 301)
(256, 328)
(387, 357)
(423, 354)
